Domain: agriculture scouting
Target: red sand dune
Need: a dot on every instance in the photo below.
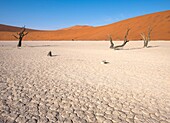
(160, 22)
(77, 27)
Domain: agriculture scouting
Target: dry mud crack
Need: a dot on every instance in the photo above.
(74, 87)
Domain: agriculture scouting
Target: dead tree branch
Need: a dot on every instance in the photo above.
(122, 45)
(15, 36)
(125, 38)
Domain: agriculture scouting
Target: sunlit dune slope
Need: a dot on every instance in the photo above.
(160, 22)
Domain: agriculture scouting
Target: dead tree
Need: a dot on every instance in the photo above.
(119, 46)
(146, 38)
(20, 36)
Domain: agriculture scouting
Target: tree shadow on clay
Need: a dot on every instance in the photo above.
(139, 48)
(133, 48)
(152, 46)
(43, 46)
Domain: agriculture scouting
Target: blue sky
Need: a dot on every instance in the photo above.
(56, 14)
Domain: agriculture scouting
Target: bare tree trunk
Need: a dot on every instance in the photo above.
(20, 42)
(111, 42)
(146, 43)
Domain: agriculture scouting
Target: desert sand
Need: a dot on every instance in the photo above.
(159, 21)
(73, 86)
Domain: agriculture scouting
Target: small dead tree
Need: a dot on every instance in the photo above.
(146, 38)
(20, 36)
(119, 46)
